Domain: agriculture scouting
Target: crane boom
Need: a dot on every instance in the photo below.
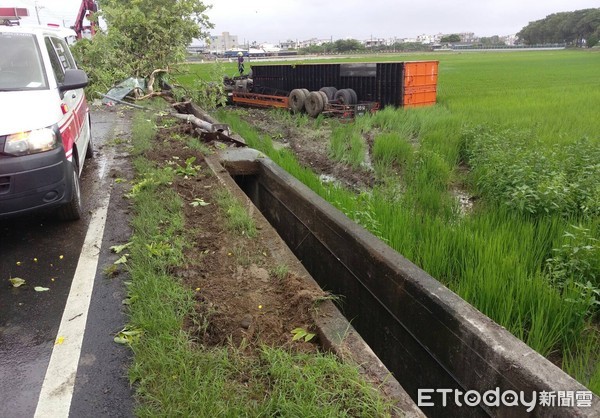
(86, 10)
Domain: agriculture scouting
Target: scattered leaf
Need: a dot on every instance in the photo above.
(301, 333)
(118, 248)
(17, 281)
(122, 260)
(41, 289)
(127, 336)
(59, 340)
(199, 202)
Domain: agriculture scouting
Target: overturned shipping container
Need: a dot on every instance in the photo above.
(411, 83)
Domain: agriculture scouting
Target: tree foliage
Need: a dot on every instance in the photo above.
(450, 39)
(566, 27)
(352, 45)
(491, 41)
(346, 45)
(141, 36)
(339, 46)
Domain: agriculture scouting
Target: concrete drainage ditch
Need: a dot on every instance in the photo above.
(435, 344)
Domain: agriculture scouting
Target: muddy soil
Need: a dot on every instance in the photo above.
(244, 295)
(310, 144)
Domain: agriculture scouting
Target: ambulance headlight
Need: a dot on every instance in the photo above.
(31, 142)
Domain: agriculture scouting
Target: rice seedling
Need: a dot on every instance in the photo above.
(347, 145)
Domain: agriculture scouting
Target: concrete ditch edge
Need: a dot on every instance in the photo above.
(335, 331)
(471, 348)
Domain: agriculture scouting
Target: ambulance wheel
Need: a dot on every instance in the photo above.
(89, 152)
(72, 210)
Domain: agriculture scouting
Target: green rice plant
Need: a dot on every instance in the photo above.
(582, 359)
(431, 169)
(347, 145)
(391, 150)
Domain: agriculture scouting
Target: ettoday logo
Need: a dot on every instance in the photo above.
(496, 397)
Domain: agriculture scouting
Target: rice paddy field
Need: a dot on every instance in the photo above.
(517, 134)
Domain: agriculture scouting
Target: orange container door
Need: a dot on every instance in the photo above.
(420, 73)
(420, 96)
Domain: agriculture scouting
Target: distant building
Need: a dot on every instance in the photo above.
(227, 42)
(374, 42)
(223, 42)
(289, 44)
(426, 39)
(467, 37)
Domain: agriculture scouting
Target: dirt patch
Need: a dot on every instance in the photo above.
(310, 144)
(244, 295)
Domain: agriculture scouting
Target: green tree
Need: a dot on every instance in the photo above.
(492, 40)
(346, 45)
(566, 27)
(450, 39)
(141, 36)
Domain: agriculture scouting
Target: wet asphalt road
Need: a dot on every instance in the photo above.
(44, 252)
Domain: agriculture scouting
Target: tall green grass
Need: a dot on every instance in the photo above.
(347, 145)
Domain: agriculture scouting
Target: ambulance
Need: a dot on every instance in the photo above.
(45, 130)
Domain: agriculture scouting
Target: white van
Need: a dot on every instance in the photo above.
(45, 132)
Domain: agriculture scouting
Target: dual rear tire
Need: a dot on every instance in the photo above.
(346, 97)
(297, 99)
(313, 103)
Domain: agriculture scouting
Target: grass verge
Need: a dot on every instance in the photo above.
(175, 375)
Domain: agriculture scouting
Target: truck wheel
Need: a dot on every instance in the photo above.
(325, 98)
(329, 91)
(314, 104)
(296, 100)
(72, 210)
(354, 96)
(343, 96)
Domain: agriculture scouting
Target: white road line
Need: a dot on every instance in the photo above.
(57, 389)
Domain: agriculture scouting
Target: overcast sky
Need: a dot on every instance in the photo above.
(279, 20)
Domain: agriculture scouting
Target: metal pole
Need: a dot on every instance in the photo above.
(37, 12)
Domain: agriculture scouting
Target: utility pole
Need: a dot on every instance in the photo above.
(37, 12)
